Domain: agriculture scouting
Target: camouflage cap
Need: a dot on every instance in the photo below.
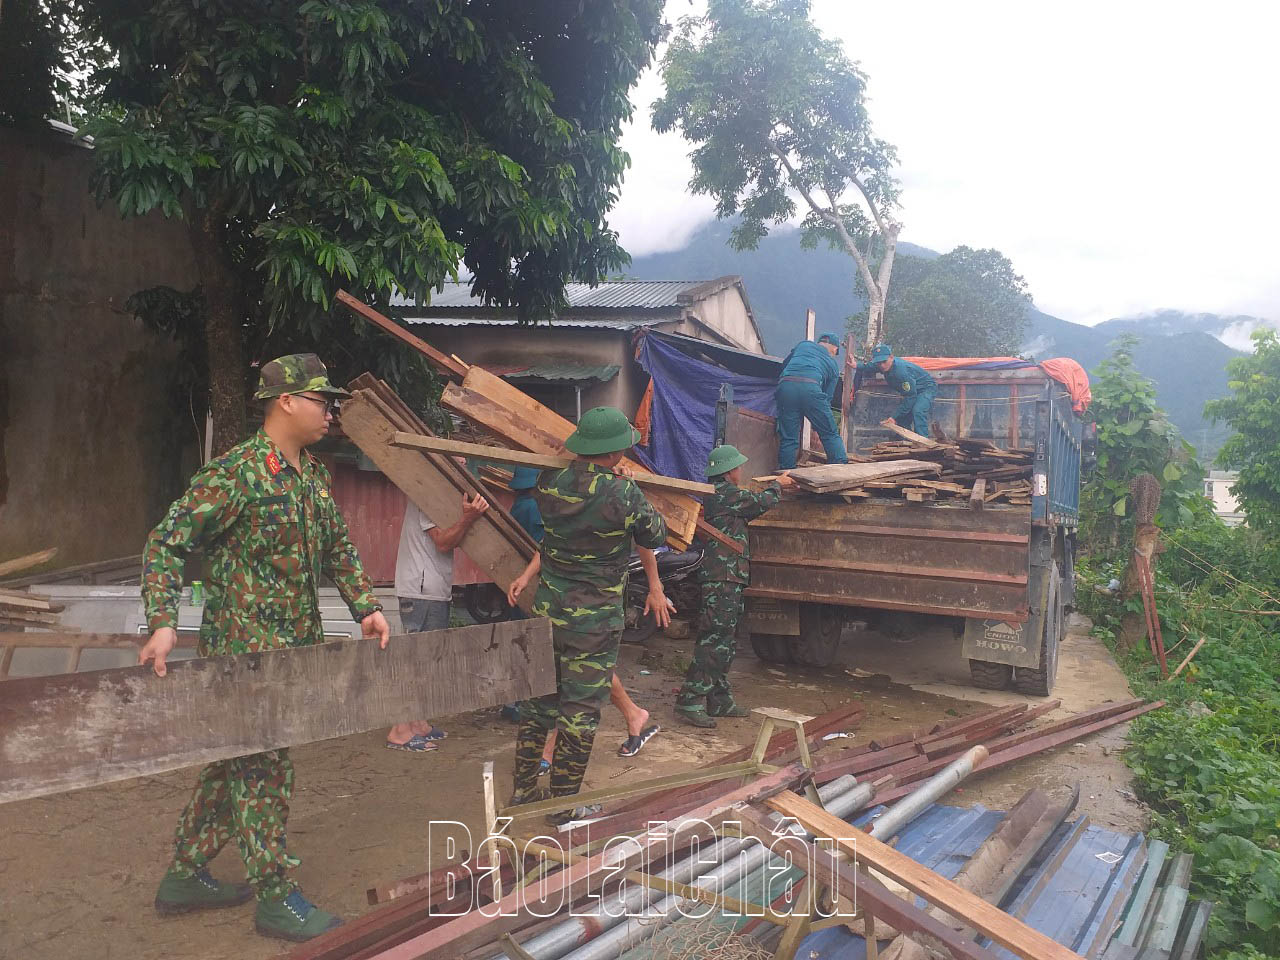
(296, 373)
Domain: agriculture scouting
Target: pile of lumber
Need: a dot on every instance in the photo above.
(853, 479)
(18, 608)
(976, 471)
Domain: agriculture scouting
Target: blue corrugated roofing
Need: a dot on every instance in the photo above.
(609, 295)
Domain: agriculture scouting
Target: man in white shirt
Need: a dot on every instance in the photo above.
(424, 586)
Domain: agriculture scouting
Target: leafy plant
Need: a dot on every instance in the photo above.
(1134, 437)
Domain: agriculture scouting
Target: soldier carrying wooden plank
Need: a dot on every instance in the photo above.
(264, 516)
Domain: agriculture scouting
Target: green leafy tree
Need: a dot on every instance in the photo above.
(373, 145)
(1135, 436)
(777, 109)
(1252, 410)
(967, 303)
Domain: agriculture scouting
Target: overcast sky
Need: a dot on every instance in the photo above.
(1124, 155)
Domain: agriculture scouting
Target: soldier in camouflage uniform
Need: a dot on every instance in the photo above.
(591, 514)
(263, 515)
(723, 574)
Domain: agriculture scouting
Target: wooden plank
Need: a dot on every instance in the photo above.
(18, 564)
(834, 476)
(28, 601)
(441, 361)
(871, 896)
(75, 730)
(90, 641)
(707, 530)
(977, 496)
(453, 939)
(962, 904)
(509, 413)
(540, 460)
(910, 435)
(425, 483)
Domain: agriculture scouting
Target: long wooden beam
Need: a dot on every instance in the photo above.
(542, 461)
(18, 564)
(76, 730)
(987, 919)
(446, 364)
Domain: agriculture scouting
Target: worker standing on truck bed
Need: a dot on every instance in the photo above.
(909, 380)
(592, 512)
(724, 574)
(805, 389)
(266, 521)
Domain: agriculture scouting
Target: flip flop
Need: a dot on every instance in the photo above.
(435, 734)
(414, 745)
(635, 743)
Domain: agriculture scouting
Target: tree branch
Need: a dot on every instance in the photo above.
(864, 263)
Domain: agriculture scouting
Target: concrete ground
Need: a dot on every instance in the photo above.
(78, 871)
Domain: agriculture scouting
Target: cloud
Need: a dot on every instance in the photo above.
(1117, 153)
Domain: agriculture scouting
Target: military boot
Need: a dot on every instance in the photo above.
(695, 715)
(726, 708)
(178, 894)
(293, 918)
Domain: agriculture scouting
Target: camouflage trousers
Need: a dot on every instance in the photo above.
(708, 674)
(246, 798)
(584, 672)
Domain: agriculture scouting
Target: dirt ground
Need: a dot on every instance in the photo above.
(78, 871)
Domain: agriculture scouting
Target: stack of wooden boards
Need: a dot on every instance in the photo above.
(975, 471)
(861, 480)
(22, 609)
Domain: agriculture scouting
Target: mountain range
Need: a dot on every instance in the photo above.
(1185, 354)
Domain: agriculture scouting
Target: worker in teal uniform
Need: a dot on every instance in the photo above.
(525, 509)
(911, 382)
(805, 389)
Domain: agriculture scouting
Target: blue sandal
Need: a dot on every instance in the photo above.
(435, 734)
(416, 744)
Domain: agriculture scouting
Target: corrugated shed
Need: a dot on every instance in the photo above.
(591, 323)
(554, 370)
(609, 295)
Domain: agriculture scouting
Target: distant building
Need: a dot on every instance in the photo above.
(1217, 487)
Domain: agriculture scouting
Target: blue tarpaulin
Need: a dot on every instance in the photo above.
(683, 416)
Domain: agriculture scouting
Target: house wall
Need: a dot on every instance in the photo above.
(502, 345)
(727, 312)
(90, 448)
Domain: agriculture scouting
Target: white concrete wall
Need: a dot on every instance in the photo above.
(726, 312)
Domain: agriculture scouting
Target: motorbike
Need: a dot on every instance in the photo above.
(678, 572)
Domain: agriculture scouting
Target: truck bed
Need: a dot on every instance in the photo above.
(942, 559)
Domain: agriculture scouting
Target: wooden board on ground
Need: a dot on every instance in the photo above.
(542, 461)
(834, 477)
(75, 730)
(910, 435)
(510, 413)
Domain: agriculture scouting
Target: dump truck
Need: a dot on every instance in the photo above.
(1001, 575)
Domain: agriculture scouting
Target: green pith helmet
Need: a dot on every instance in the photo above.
(602, 430)
(881, 353)
(723, 459)
(296, 373)
(831, 339)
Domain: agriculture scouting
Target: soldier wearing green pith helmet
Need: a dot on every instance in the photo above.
(724, 574)
(263, 515)
(592, 513)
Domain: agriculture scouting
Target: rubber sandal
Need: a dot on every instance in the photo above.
(414, 745)
(435, 734)
(635, 743)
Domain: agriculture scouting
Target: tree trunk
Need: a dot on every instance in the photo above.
(223, 329)
(875, 318)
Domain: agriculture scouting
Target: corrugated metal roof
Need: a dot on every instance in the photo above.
(591, 323)
(554, 370)
(609, 295)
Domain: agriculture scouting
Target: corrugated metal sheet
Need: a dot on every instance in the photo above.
(591, 323)
(373, 507)
(610, 295)
(555, 370)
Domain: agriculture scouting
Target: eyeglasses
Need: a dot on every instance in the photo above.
(332, 407)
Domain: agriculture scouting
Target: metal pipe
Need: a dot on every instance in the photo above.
(575, 931)
(913, 804)
(632, 930)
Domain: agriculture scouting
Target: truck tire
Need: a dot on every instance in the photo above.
(990, 676)
(771, 648)
(1038, 682)
(820, 627)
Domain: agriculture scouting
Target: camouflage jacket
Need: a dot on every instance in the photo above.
(268, 532)
(729, 510)
(590, 516)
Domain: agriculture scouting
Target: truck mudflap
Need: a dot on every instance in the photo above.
(774, 616)
(1000, 641)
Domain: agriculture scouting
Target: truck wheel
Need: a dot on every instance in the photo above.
(1038, 682)
(486, 603)
(771, 648)
(990, 676)
(820, 626)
